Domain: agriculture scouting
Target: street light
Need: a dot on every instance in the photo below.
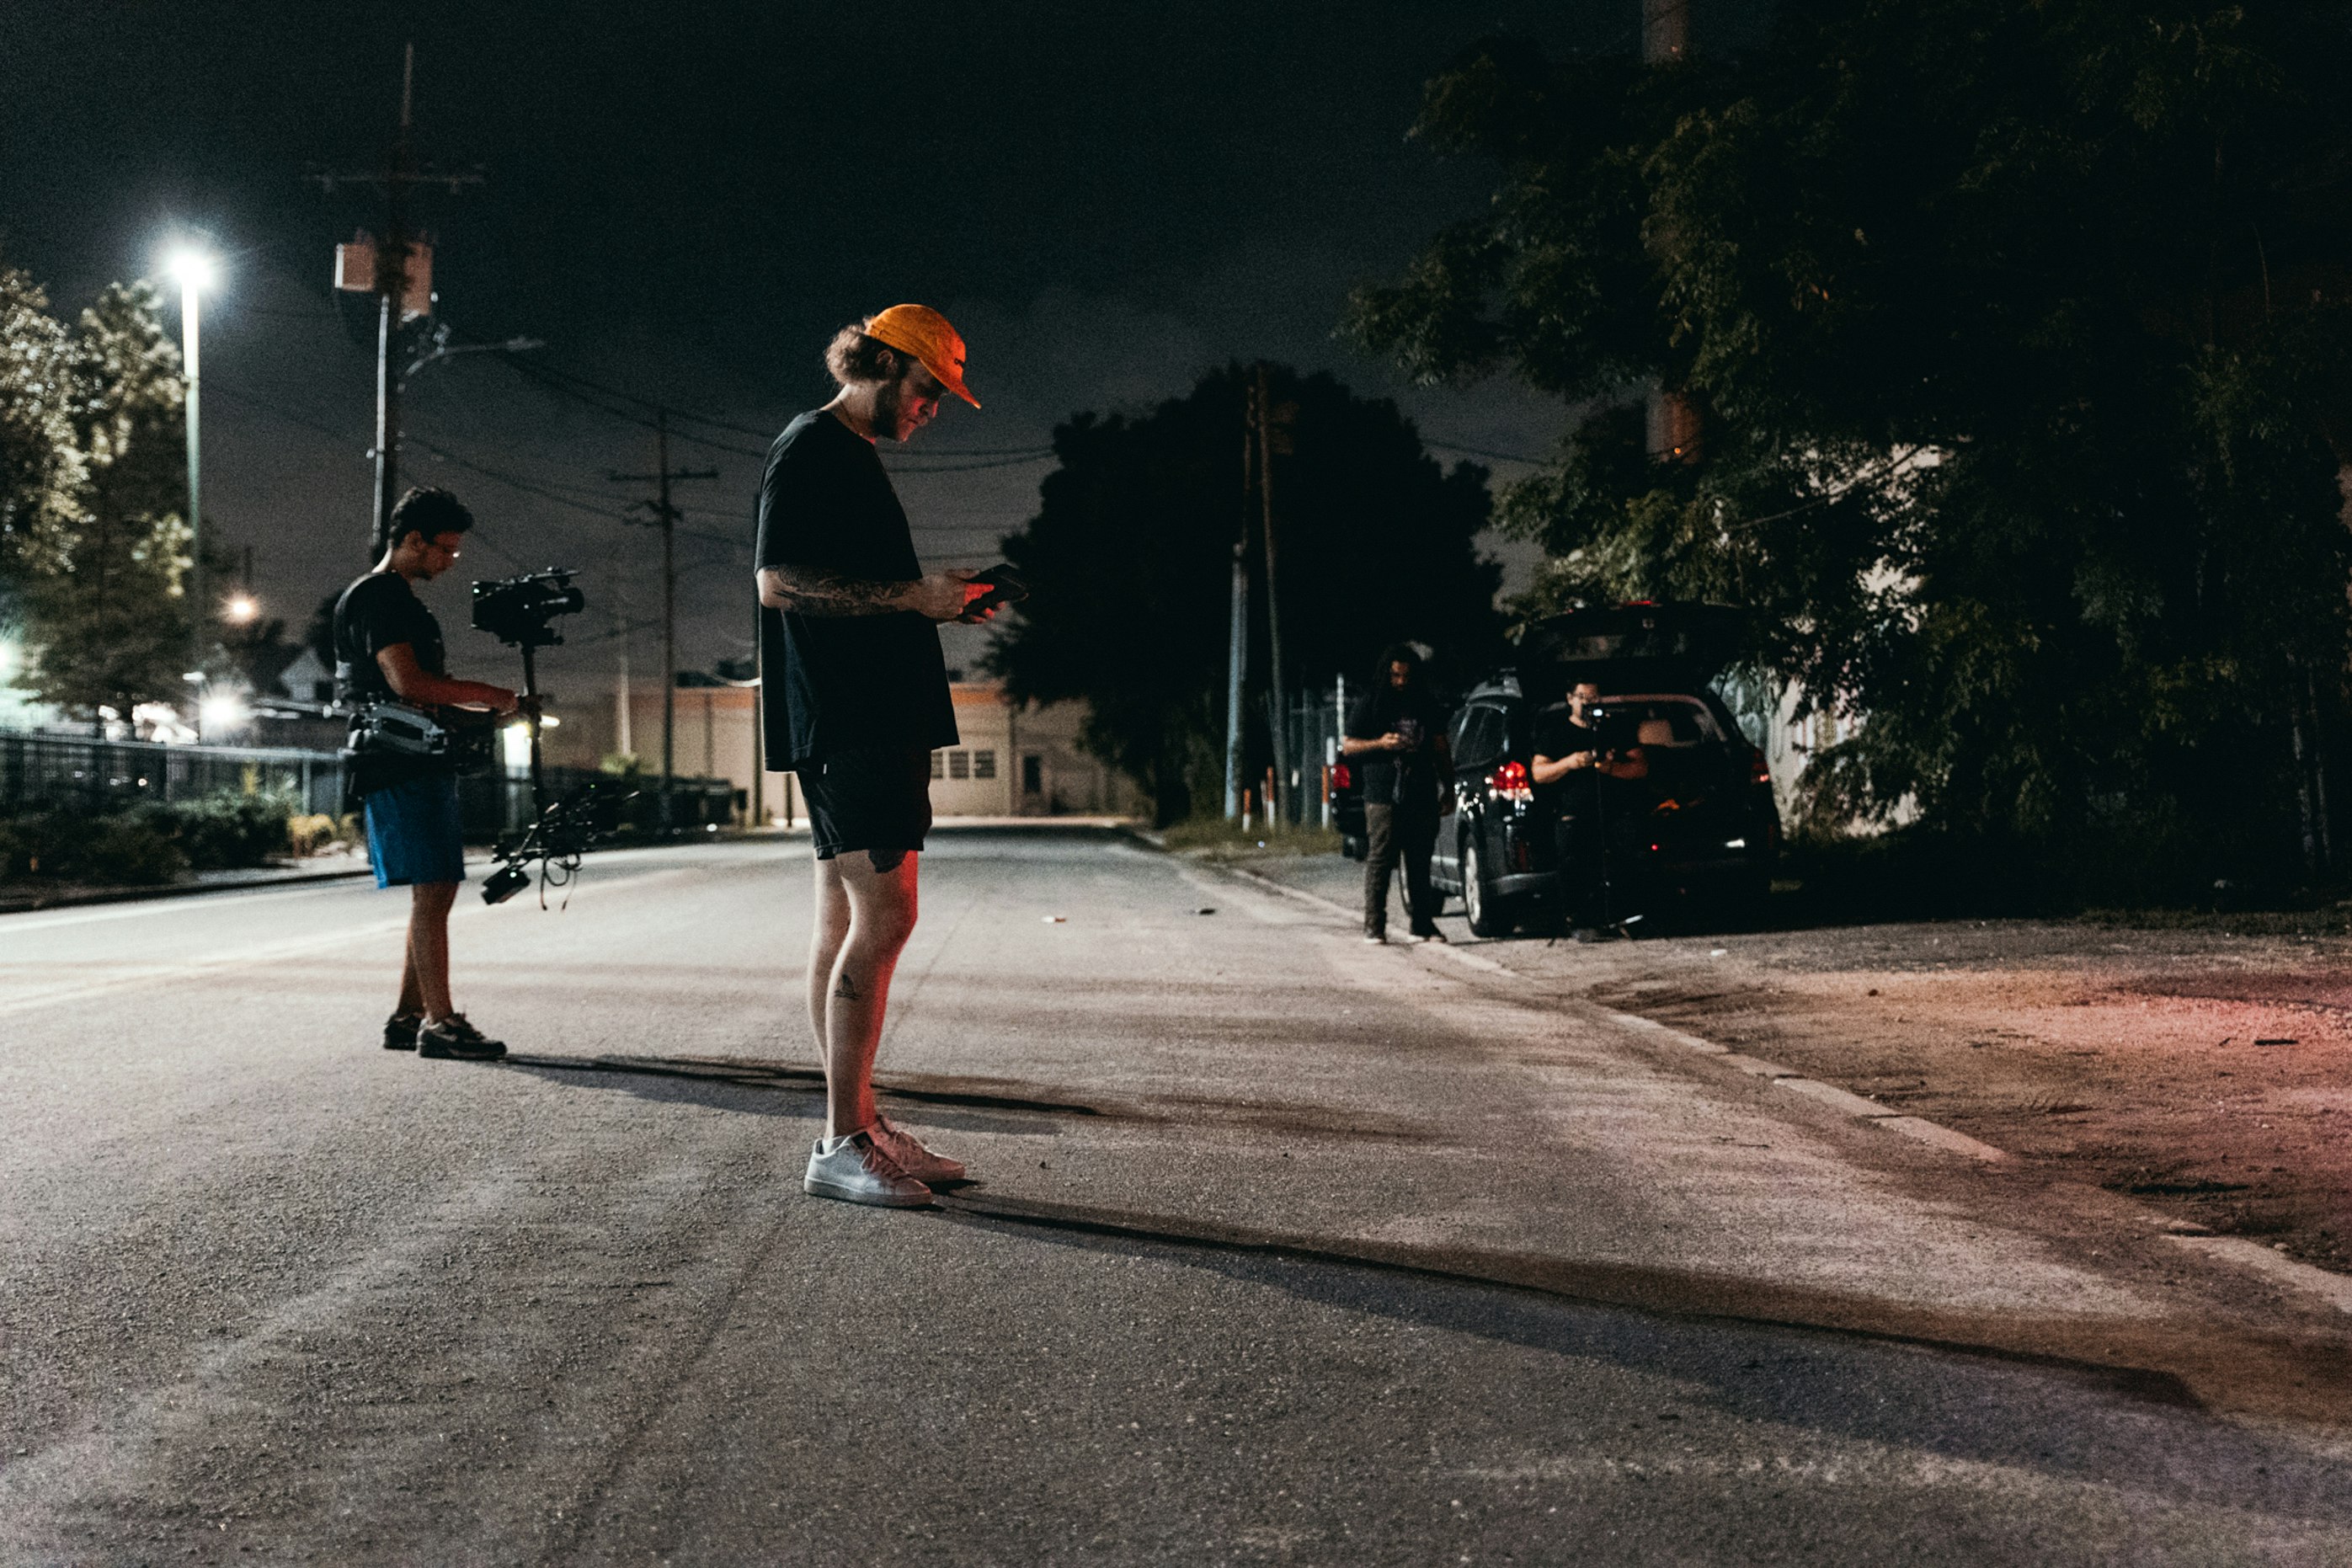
(242, 608)
(195, 269)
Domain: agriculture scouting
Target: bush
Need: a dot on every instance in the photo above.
(126, 851)
(230, 829)
(134, 849)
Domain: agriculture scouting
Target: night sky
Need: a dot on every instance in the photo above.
(684, 202)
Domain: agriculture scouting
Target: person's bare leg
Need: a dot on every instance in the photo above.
(831, 929)
(881, 917)
(412, 995)
(428, 946)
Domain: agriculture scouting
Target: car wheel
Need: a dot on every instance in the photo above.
(1488, 917)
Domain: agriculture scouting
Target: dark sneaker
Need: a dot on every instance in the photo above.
(453, 1038)
(400, 1031)
(1432, 934)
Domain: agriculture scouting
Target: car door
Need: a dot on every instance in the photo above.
(1477, 748)
(1446, 861)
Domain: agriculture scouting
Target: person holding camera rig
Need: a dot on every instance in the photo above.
(854, 698)
(1576, 763)
(388, 649)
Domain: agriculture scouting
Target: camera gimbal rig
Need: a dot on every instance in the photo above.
(519, 612)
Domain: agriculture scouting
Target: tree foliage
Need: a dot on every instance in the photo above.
(1130, 561)
(2017, 339)
(92, 503)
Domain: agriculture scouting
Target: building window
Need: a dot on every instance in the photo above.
(983, 765)
(938, 764)
(1032, 774)
(959, 764)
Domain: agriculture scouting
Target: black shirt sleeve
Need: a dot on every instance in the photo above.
(803, 501)
(1364, 720)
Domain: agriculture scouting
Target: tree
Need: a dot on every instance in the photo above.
(2019, 345)
(41, 471)
(1130, 559)
(108, 620)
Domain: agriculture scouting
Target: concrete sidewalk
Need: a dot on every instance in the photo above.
(2206, 1072)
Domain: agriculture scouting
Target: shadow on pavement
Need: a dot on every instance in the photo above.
(961, 1102)
(2191, 1365)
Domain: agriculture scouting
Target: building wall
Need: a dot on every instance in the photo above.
(1007, 762)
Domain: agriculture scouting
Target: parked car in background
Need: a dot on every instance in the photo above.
(1702, 825)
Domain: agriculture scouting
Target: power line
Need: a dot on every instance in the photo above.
(713, 422)
(1482, 451)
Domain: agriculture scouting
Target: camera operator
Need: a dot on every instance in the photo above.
(1578, 765)
(1397, 734)
(854, 698)
(388, 648)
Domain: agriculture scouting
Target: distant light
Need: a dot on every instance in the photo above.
(191, 267)
(242, 608)
(515, 741)
(193, 676)
(550, 722)
(1735, 844)
(223, 712)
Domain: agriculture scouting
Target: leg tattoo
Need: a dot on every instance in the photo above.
(845, 989)
(887, 860)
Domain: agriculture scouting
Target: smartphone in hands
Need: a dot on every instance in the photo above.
(1004, 587)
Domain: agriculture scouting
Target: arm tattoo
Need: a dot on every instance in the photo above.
(821, 591)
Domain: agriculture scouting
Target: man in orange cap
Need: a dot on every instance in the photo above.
(854, 698)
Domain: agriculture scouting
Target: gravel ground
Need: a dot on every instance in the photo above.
(2206, 1072)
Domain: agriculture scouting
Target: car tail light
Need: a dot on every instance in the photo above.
(1509, 782)
(1340, 777)
(1759, 770)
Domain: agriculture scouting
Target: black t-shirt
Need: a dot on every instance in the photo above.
(1393, 778)
(835, 683)
(377, 612)
(1558, 735)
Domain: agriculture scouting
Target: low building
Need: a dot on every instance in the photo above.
(1011, 760)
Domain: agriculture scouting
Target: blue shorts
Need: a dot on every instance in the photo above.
(414, 834)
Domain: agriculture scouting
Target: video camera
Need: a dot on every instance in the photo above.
(521, 612)
(517, 610)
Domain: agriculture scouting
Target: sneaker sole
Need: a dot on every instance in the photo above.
(446, 1056)
(818, 1189)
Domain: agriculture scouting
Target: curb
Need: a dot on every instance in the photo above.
(2249, 1255)
(173, 890)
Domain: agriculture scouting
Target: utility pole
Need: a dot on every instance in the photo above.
(1274, 422)
(625, 742)
(759, 741)
(665, 517)
(1673, 425)
(1237, 641)
(397, 268)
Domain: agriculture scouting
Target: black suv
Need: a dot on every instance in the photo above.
(1705, 821)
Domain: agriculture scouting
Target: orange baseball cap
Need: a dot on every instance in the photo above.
(922, 332)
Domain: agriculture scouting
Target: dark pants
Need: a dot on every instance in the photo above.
(1394, 834)
(1597, 860)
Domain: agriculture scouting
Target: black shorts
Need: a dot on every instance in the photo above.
(874, 800)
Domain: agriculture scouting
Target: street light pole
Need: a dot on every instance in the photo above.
(194, 269)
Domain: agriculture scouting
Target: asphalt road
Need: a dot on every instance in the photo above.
(1285, 1248)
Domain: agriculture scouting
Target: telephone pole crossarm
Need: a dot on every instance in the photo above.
(666, 518)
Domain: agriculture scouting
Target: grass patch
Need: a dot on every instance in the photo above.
(1216, 838)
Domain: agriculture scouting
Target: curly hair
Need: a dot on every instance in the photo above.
(853, 357)
(426, 509)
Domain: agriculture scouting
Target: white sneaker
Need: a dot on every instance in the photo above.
(857, 1168)
(914, 1159)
